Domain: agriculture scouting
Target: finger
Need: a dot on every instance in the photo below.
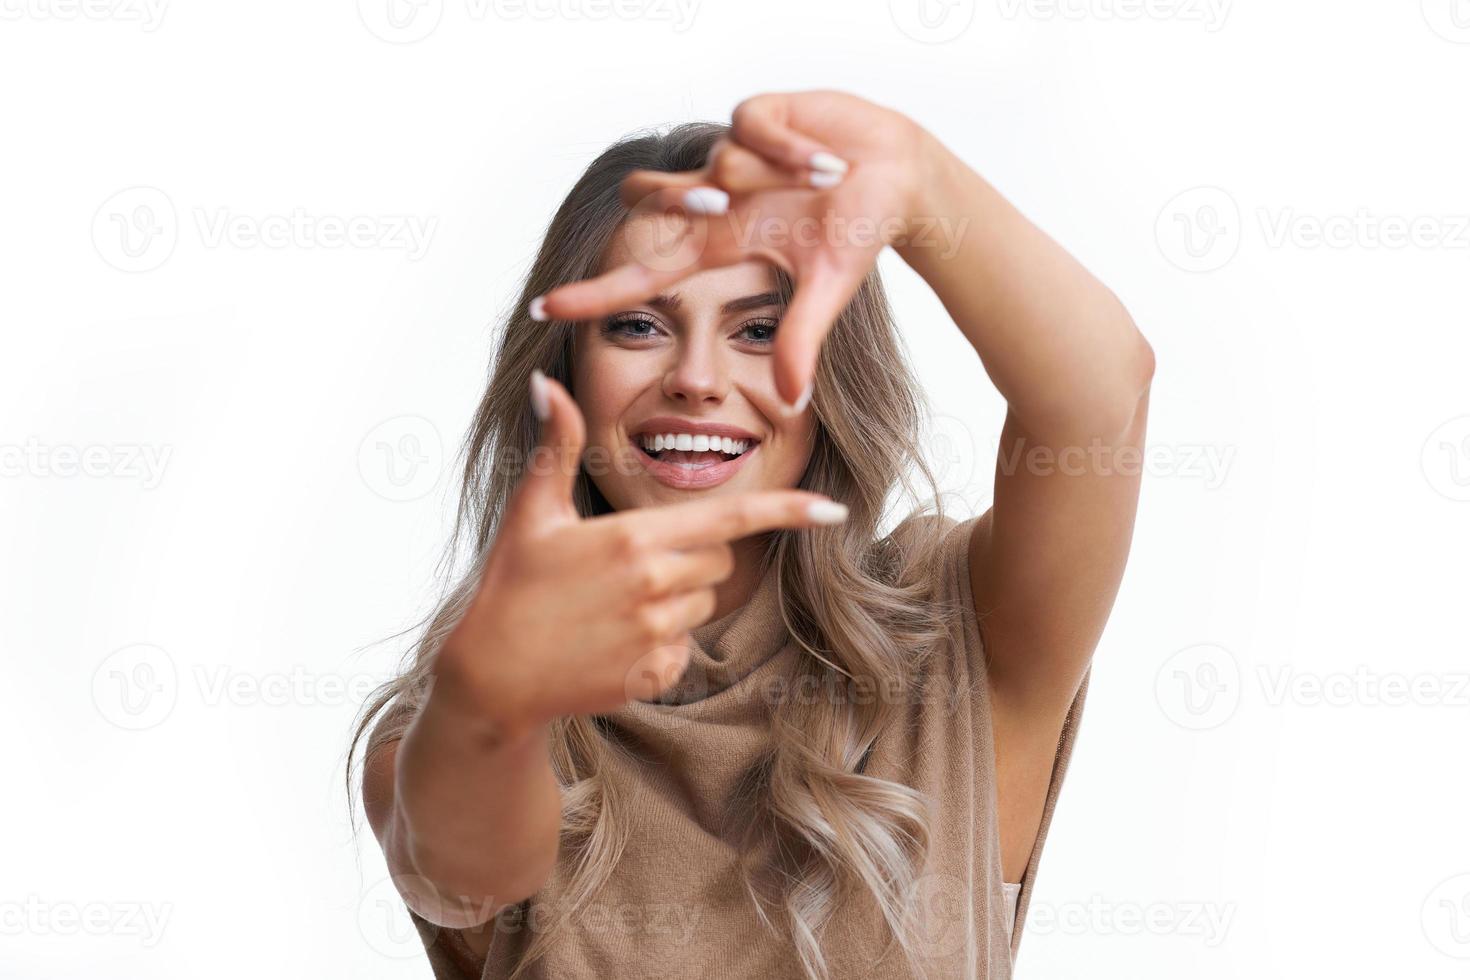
(720, 519)
(816, 303)
(545, 491)
(672, 616)
(732, 168)
(658, 669)
(652, 269)
(762, 124)
(672, 572)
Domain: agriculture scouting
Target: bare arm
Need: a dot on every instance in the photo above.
(1047, 559)
(467, 814)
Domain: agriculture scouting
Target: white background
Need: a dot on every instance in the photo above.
(1270, 779)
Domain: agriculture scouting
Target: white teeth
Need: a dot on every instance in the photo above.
(694, 443)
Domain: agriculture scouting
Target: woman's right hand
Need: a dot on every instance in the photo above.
(579, 616)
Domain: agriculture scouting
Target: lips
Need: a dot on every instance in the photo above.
(688, 454)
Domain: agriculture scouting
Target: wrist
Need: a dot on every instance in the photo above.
(941, 203)
(483, 703)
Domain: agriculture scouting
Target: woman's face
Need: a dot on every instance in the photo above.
(678, 393)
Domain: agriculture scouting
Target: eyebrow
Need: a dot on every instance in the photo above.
(671, 302)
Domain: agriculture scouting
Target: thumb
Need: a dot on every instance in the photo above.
(551, 472)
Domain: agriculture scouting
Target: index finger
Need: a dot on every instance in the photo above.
(719, 519)
(815, 306)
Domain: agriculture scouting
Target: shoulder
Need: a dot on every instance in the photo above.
(931, 546)
(928, 553)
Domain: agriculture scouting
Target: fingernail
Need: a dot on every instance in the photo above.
(801, 402)
(830, 162)
(540, 396)
(706, 200)
(827, 512)
(537, 309)
(824, 178)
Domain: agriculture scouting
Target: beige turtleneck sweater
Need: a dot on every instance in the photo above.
(674, 906)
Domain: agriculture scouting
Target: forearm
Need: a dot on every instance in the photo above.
(477, 807)
(1055, 341)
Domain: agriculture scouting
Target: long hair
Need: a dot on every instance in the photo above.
(848, 598)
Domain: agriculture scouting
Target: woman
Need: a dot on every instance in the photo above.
(690, 713)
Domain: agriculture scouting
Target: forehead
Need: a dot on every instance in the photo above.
(645, 235)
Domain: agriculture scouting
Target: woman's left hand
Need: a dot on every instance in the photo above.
(816, 183)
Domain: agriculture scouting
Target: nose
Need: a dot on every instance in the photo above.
(699, 374)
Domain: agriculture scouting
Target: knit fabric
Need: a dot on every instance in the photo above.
(675, 907)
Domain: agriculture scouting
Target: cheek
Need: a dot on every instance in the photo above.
(607, 383)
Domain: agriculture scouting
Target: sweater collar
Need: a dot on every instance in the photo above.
(728, 649)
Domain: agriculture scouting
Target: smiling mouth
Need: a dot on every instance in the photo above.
(693, 451)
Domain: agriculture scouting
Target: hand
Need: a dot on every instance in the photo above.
(578, 616)
(790, 203)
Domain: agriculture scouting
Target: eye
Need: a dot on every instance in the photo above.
(759, 331)
(631, 326)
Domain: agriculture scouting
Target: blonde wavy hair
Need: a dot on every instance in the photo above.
(851, 601)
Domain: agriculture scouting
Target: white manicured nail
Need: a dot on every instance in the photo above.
(830, 162)
(706, 200)
(801, 402)
(540, 396)
(824, 178)
(537, 309)
(827, 512)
